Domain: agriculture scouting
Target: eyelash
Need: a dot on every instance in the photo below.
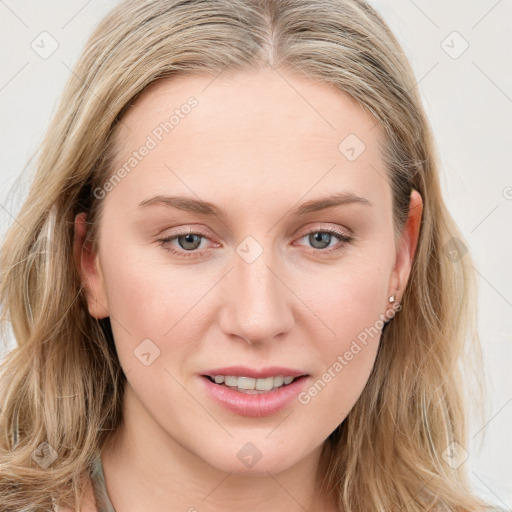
(344, 239)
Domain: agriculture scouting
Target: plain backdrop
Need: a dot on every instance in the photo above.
(461, 54)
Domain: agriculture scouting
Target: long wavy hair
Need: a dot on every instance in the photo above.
(62, 383)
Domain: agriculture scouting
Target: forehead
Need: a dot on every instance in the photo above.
(258, 128)
(262, 104)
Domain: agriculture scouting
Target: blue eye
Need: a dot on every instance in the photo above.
(320, 239)
(188, 243)
(191, 239)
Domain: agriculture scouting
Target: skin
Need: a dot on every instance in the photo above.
(257, 147)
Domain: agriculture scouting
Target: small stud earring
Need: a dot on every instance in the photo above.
(392, 298)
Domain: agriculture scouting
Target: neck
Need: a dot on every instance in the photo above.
(146, 469)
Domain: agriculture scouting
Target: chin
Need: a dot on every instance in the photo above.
(256, 458)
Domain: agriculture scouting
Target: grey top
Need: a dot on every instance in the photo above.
(103, 503)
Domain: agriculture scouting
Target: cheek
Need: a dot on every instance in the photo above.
(351, 306)
(349, 298)
(157, 332)
(146, 291)
(149, 300)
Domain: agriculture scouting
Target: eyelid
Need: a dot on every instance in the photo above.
(337, 230)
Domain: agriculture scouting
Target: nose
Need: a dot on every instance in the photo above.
(257, 304)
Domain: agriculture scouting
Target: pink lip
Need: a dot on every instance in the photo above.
(254, 405)
(262, 373)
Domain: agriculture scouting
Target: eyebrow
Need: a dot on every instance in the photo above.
(207, 208)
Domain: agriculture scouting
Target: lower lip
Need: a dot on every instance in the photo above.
(255, 405)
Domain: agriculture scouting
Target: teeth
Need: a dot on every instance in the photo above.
(231, 381)
(278, 381)
(264, 384)
(250, 384)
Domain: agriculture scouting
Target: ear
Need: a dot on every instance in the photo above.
(89, 269)
(406, 247)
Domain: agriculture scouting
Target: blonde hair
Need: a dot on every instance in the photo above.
(63, 384)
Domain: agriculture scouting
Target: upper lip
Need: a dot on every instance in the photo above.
(255, 373)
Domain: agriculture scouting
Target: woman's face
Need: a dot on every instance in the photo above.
(286, 271)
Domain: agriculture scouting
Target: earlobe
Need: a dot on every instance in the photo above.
(89, 270)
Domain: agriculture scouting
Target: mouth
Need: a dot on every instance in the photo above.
(253, 386)
(254, 393)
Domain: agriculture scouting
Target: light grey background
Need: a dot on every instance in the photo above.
(468, 98)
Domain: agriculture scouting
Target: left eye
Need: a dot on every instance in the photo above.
(321, 239)
(188, 243)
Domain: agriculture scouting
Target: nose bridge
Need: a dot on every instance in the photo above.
(257, 303)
